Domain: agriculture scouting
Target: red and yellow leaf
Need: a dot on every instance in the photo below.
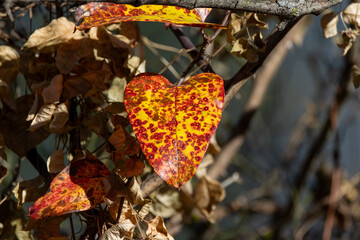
(174, 124)
(101, 13)
(78, 187)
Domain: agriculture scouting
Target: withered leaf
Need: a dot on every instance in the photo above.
(69, 54)
(43, 117)
(9, 64)
(131, 167)
(208, 194)
(236, 24)
(347, 39)
(329, 24)
(117, 138)
(352, 14)
(29, 190)
(52, 93)
(157, 230)
(48, 38)
(60, 118)
(55, 163)
(252, 19)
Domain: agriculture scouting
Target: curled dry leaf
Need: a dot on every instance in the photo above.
(78, 187)
(348, 37)
(132, 166)
(29, 190)
(135, 193)
(121, 231)
(43, 117)
(69, 54)
(60, 118)
(157, 230)
(52, 93)
(9, 64)
(252, 19)
(55, 163)
(329, 24)
(208, 194)
(166, 202)
(117, 138)
(236, 24)
(352, 14)
(48, 38)
(356, 75)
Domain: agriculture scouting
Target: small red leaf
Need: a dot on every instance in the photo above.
(101, 13)
(174, 124)
(78, 187)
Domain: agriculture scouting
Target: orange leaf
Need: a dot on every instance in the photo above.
(78, 187)
(131, 167)
(97, 14)
(174, 124)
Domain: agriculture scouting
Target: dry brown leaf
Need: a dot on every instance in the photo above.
(48, 38)
(236, 24)
(122, 231)
(69, 54)
(117, 138)
(43, 117)
(131, 31)
(352, 14)
(131, 167)
(34, 109)
(115, 108)
(75, 86)
(166, 202)
(9, 64)
(14, 126)
(208, 194)
(329, 24)
(252, 19)
(30, 190)
(243, 48)
(135, 193)
(156, 230)
(207, 160)
(213, 148)
(49, 229)
(144, 209)
(55, 163)
(347, 40)
(60, 118)
(356, 75)
(52, 93)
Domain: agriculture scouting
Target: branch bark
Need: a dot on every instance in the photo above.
(281, 8)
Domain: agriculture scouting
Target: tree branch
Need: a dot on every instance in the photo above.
(281, 8)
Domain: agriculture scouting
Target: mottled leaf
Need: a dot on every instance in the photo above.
(174, 124)
(78, 187)
(97, 14)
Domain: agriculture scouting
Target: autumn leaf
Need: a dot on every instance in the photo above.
(78, 187)
(174, 124)
(97, 14)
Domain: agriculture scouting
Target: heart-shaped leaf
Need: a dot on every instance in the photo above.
(78, 187)
(100, 13)
(174, 124)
